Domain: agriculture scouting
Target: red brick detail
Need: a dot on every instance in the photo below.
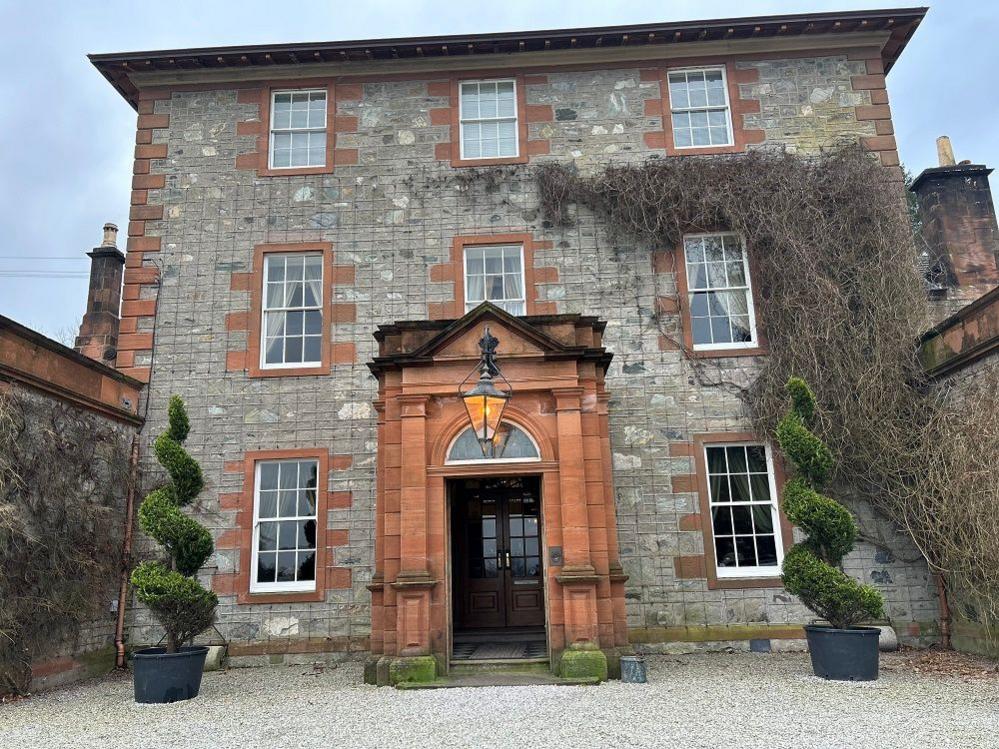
(684, 482)
(341, 462)
(539, 113)
(230, 538)
(337, 537)
(339, 578)
(690, 522)
(739, 107)
(648, 75)
(681, 449)
(345, 123)
(878, 112)
(241, 281)
(667, 305)
(343, 312)
(668, 344)
(139, 276)
(350, 92)
(535, 80)
(453, 270)
(439, 88)
(343, 275)
(237, 321)
(232, 466)
(344, 353)
(440, 116)
(341, 501)
(235, 361)
(230, 500)
(690, 568)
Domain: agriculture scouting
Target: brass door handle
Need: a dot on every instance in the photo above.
(506, 554)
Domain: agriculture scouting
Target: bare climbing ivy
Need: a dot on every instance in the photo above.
(63, 477)
(842, 306)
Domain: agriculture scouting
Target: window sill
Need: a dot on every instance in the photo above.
(317, 371)
(725, 353)
(291, 596)
(736, 583)
(499, 161)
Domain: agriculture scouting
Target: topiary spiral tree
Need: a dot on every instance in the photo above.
(812, 568)
(178, 601)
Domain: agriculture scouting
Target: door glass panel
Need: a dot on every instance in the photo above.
(482, 542)
(522, 524)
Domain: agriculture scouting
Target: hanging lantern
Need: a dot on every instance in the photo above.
(484, 402)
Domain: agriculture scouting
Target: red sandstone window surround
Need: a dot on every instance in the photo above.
(264, 270)
(716, 294)
(463, 121)
(740, 516)
(263, 126)
(454, 270)
(685, 118)
(248, 519)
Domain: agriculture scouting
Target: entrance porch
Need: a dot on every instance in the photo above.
(526, 541)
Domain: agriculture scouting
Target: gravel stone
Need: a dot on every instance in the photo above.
(704, 700)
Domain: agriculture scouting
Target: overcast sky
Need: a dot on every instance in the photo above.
(66, 137)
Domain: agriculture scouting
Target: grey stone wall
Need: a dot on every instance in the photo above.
(392, 217)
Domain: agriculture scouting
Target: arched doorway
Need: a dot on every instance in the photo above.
(526, 538)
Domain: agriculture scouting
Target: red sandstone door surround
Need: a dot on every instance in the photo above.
(556, 365)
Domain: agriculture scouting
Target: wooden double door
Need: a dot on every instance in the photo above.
(496, 548)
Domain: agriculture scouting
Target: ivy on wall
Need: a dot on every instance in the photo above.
(63, 480)
(842, 305)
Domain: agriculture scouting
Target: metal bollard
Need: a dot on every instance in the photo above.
(632, 669)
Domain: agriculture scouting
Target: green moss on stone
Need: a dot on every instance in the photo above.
(419, 668)
(583, 664)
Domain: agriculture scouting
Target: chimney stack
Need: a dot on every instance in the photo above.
(959, 225)
(98, 336)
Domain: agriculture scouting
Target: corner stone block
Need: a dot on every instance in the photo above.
(418, 668)
(583, 663)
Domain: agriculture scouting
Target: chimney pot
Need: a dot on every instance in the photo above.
(945, 151)
(110, 235)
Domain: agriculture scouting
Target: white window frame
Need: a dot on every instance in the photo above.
(491, 461)
(471, 304)
(745, 572)
(462, 120)
(320, 308)
(324, 129)
(728, 106)
(754, 341)
(297, 586)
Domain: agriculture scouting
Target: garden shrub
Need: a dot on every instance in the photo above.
(812, 568)
(179, 602)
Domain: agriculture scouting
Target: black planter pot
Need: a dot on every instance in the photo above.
(843, 654)
(159, 676)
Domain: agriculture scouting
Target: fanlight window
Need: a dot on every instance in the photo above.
(511, 443)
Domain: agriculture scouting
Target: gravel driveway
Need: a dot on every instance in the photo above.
(705, 700)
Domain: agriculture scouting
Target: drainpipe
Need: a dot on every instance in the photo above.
(126, 556)
(944, 612)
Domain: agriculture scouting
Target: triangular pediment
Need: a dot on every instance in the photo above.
(460, 339)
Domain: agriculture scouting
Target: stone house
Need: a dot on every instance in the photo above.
(319, 234)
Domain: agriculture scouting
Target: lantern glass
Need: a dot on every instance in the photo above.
(485, 410)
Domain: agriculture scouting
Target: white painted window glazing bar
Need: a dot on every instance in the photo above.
(700, 111)
(291, 330)
(495, 273)
(487, 119)
(298, 129)
(744, 515)
(285, 526)
(719, 292)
